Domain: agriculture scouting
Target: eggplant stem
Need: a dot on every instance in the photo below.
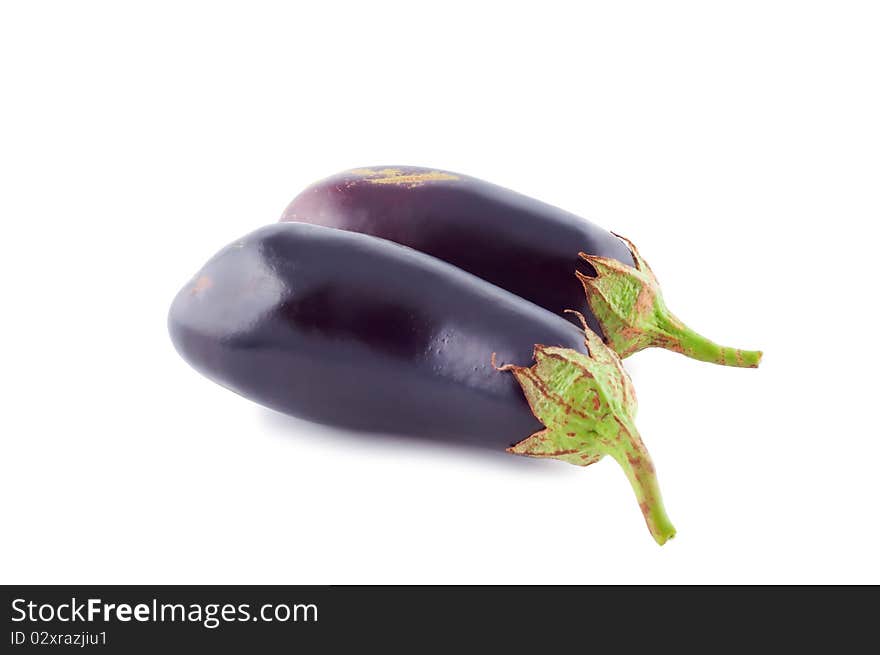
(696, 346)
(628, 304)
(641, 475)
(587, 405)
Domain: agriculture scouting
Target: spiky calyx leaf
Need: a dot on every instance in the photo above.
(629, 306)
(587, 404)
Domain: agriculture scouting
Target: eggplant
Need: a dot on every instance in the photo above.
(548, 256)
(349, 330)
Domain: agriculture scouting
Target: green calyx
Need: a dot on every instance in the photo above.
(588, 404)
(629, 306)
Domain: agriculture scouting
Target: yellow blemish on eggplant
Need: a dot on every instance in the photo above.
(204, 282)
(372, 172)
(416, 179)
(397, 176)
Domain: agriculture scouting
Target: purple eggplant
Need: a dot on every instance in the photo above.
(349, 330)
(541, 253)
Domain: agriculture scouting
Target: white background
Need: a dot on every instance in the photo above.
(737, 143)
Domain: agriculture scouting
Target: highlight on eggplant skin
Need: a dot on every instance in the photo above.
(349, 330)
(539, 252)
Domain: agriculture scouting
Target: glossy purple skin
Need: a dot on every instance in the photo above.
(349, 330)
(518, 243)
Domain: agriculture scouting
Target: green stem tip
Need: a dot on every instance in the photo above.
(641, 475)
(629, 307)
(587, 404)
(675, 335)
